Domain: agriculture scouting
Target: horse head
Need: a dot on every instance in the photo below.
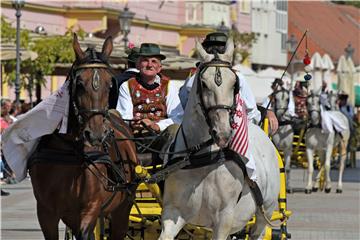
(217, 85)
(281, 102)
(90, 83)
(333, 99)
(313, 106)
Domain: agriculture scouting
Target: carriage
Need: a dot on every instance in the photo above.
(95, 175)
(145, 215)
(304, 144)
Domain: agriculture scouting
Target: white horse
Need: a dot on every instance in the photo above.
(283, 138)
(215, 195)
(333, 100)
(323, 142)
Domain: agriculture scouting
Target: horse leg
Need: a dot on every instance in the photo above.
(88, 223)
(287, 154)
(172, 223)
(120, 217)
(310, 157)
(73, 222)
(327, 165)
(318, 179)
(259, 227)
(343, 156)
(49, 222)
(224, 224)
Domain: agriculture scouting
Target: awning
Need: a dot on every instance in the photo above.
(8, 52)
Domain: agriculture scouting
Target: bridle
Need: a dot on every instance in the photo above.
(312, 96)
(95, 63)
(277, 109)
(217, 63)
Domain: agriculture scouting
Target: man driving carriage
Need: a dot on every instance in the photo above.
(149, 100)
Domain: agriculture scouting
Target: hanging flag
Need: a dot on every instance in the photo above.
(240, 140)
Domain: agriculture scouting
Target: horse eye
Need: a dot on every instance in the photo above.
(80, 84)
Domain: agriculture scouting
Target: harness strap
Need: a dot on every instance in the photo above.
(286, 122)
(240, 161)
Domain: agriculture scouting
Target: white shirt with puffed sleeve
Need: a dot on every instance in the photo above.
(245, 92)
(174, 109)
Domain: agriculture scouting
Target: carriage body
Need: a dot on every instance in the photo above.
(145, 215)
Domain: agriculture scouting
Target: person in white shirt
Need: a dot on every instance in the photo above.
(216, 42)
(149, 100)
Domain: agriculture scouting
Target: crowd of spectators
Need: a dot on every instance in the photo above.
(9, 112)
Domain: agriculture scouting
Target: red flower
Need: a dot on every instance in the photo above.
(131, 45)
(238, 113)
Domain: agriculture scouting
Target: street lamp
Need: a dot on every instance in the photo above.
(40, 30)
(17, 4)
(349, 51)
(222, 28)
(291, 46)
(125, 18)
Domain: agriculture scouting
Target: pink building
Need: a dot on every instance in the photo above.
(174, 25)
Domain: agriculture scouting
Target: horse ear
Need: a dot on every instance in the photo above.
(204, 56)
(107, 47)
(228, 55)
(77, 49)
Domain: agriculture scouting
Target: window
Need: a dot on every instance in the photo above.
(281, 6)
(190, 13)
(283, 42)
(281, 17)
(193, 13)
(244, 6)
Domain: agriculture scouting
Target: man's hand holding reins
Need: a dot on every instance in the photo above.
(273, 122)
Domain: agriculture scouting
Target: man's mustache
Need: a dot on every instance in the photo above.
(148, 68)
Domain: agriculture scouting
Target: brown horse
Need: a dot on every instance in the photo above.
(73, 177)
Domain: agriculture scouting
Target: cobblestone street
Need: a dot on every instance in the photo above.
(316, 216)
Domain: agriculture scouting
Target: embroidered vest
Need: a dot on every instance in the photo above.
(149, 104)
(300, 106)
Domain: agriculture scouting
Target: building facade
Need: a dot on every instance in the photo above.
(174, 25)
(269, 23)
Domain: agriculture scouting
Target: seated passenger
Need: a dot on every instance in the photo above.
(150, 100)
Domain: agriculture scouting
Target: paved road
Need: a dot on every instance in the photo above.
(323, 216)
(316, 216)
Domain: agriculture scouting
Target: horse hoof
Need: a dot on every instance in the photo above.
(338, 190)
(327, 190)
(308, 191)
(289, 191)
(315, 189)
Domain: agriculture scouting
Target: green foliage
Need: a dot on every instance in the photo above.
(8, 34)
(50, 50)
(243, 42)
(352, 3)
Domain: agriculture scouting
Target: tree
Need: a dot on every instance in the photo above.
(50, 50)
(243, 42)
(352, 3)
